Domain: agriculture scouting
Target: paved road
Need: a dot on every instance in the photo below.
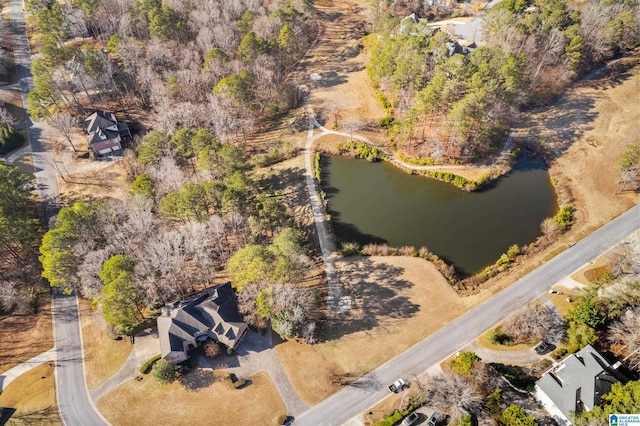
(42, 161)
(370, 389)
(74, 405)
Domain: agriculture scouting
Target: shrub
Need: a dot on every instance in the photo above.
(493, 401)
(391, 420)
(466, 420)
(317, 167)
(499, 337)
(463, 363)
(564, 218)
(407, 251)
(282, 420)
(10, 139)
(397, 415)
(230, 351)
(386, 122)
(349, 249)
(383, 100)
(164, 371)
(559, 353)
(146, 367)
(514, 415)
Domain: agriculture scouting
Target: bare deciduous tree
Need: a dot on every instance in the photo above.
(8, 296)
(530, 322)
(626, 331)
(6, 118)
(452, 393)
(64, 123)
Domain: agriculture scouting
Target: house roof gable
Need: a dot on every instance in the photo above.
(99, 120)
(215, 311)
(578, 382)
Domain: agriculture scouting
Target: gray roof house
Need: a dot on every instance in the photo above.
(576, 384)
(213, 314)
(106, 134)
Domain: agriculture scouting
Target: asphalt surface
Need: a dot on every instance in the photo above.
(370, 389)
(74, 405)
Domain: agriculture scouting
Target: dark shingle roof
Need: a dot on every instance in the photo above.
(215, 312)
(99, 120)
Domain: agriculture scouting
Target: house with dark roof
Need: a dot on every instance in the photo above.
(576, 384)
(106, 134)
(213, 314)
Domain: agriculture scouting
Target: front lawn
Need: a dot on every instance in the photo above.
(33, 395)
(103, 356)
(199, 399)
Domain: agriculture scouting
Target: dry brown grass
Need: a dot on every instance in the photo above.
(586, 134)
(109, 182)
(583, 273)
(561, 302)
(394, 401)
(33, 395)
(393, 308)
(258, 403)
(103, 356)
(24, 336)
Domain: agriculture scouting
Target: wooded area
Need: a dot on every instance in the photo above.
(219, 65)
(20, 233)
(455, 102)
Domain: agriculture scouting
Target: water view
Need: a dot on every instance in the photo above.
(379, 203)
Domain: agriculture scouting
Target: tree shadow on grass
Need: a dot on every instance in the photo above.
(197, 379)
(377, 298)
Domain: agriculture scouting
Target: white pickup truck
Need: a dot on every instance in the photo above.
(398, 385)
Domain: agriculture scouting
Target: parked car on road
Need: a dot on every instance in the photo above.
(398, 385)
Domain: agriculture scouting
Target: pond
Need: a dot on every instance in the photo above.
(376, 202)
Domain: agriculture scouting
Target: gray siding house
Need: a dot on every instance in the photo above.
(576, 384)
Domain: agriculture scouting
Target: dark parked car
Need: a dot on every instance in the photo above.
(433, 420)
(542, 348)
(410, 419)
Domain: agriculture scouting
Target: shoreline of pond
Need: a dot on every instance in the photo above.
(462, 282)
(497, 169)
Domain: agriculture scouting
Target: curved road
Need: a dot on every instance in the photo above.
(366, 392)
(74, 405)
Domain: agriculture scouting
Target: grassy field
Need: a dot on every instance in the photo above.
(103, 356)
(28, 335)
(33, 396)
(108, 182)
(392, 308)
(205, 401)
